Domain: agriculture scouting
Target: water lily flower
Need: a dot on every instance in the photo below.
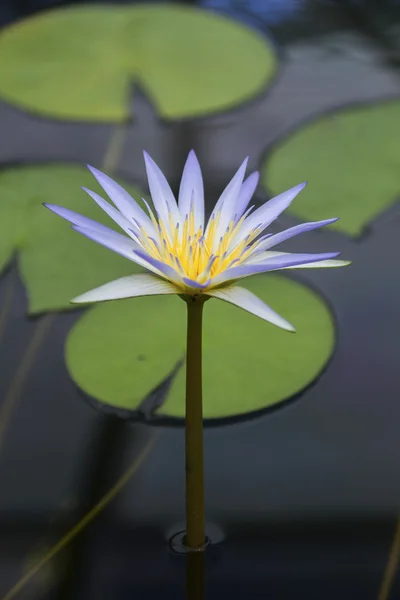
(197, 261)
(187, 255)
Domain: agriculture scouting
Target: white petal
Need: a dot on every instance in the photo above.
(245, 299)
(128, 287)
(323, 264)
(192, 181)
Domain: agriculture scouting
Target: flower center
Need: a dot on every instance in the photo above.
(196, 255)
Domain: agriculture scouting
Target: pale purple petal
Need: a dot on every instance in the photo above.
(271, 264)
(113, 241)
(280, 237)
(268, 212)
(192, 181)
(321, 264)
(248, 301)
(290, 259)
(122, 200)
(112, 212)
(85, 222)
(158, 266)
(128, 287)
(195, 284)
(246, 193)
(161, 194)
(227, 202)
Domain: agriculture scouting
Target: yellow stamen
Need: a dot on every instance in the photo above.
(197, 255)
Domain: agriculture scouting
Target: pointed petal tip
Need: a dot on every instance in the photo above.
(325, 222)
(245, 299)
(81, 299)
(149, 162)
(254, 177)
(77, 300)
(97, 173)
(294, 190)
(53, 207)
(192, 158)
(147, 157)
(323, 255)
(253, 180)
(57, 210)
(243, 166)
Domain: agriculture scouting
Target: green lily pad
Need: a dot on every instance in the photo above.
(118, 352)
(79, 62)
(352, 160)
(55, 262)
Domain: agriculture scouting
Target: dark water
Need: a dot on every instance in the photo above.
(302, 502)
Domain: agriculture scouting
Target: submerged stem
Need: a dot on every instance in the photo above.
(195, 537)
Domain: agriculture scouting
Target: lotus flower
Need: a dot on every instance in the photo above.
(187, 255)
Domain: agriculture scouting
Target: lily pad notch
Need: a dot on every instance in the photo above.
(114, 360)
(162, 47)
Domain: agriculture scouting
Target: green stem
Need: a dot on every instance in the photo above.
(195, 537)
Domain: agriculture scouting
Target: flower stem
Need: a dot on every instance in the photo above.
(195, 537)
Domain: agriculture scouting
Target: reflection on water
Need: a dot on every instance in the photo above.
(195, 576)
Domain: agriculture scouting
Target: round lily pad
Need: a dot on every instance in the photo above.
(56, 263)
(351, 158)
(80, 62)
(120, 351)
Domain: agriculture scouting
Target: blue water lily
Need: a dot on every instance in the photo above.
(187, 255)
